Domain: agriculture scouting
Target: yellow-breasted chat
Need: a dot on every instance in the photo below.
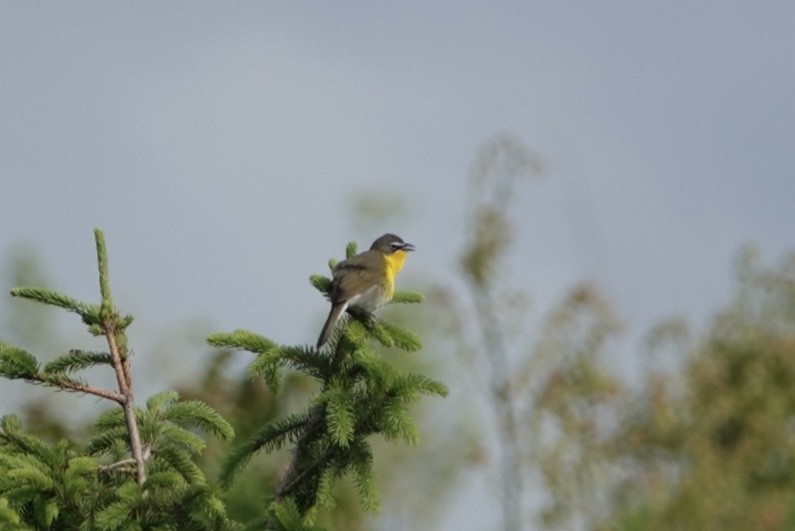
(366, 280)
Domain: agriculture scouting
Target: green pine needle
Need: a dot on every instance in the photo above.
(45, 511)
(243, 340)
(180, 439)
(32, 449)
(235, 461)
(340, 419)
(17, 363)
(365, 486)
(104, 276)
(78, 467)
(181, 462)
(376, 369)
(325, 489)
(306, 359)
(398, 425)
(110, 418)
(123, 322)
(321, 283)
(60, 380)
(77, 360)
(107, 441)
(350, 250)
(270, 437)
(165, 479)
(411, 297)
(354, 330)
(198, 414)
(382, 335)
(162, 401)
(391, 335)
(408, 386)
(89, 312)
(268, 367)
(287, 514)
(33, 477)
(9, 519)
(10, 424)
(430, 386)
(114, 516)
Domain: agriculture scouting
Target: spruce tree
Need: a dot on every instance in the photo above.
(137, 472)
(360, 394)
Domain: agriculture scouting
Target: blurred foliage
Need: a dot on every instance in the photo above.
(376, 207)
(706, 443)
(247, 404)
(27, 322)
(35, 325)
(499, 166)
(712, 446)
(545, 390)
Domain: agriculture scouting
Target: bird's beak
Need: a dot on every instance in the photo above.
(408, 247)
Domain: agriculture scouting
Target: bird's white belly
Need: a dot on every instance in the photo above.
(370, 300)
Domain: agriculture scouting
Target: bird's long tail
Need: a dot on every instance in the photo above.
(333, 317)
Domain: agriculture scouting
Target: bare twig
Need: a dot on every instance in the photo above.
(131, 463)
(128, 404)
(127, 464)
(79, 387)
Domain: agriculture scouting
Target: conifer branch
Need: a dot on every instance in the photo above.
(69, 384)
(128, 404)
(270, 437)
(104, 277)
(244, 340)
(120, 359)
(77, 360)
(350, 250)
(321, 283)
(88, 312)
(18, 364)
(410, 297)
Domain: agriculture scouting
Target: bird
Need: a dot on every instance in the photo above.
(366, 280)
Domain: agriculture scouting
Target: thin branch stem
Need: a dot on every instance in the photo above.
(115, 356)
(128, 405)
(130, 462)
(78, 387)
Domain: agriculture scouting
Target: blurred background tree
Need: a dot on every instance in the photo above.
(37, 326)
(704, 442)
(545, 385)
(27, 322)
(712, 445)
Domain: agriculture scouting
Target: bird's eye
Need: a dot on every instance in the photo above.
(396, 245)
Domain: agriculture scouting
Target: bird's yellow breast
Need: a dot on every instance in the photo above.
(394, 263)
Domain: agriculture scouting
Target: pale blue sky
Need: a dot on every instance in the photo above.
(217, 145)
